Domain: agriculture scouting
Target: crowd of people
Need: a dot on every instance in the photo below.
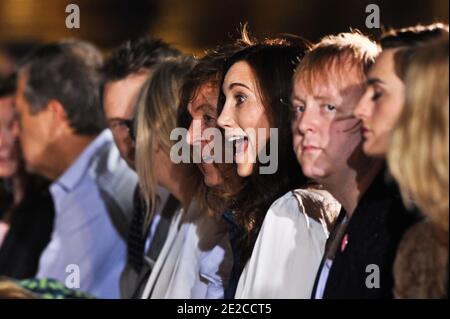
(337, 185)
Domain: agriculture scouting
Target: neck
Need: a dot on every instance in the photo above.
(68, 149)
(349, 186)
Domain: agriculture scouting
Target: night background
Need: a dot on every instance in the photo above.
(196, 25)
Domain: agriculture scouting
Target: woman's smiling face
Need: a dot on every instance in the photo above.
(242, 115)
(203, 109)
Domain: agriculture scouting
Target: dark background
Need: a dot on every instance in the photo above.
(195, 25)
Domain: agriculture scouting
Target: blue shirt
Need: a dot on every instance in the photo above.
(85, 250)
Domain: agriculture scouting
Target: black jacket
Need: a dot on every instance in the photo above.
(29, 233)
(140, 263)
(372, 235)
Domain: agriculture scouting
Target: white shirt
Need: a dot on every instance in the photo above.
(83, 233)
(195, 260)
(289, 248)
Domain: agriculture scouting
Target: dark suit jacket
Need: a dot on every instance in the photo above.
(373, 235)
(139, 265)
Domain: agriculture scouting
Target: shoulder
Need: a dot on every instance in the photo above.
(286, 216)
(115, 181)
(312, 204)
(108, 166)
(287, 205)
(209, 229)
(423, 238)
(112, 174)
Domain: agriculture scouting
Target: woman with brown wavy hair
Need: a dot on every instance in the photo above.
(255, 115)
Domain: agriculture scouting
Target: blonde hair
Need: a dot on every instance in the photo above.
(418, 154)
(156, 118)
(339, 52)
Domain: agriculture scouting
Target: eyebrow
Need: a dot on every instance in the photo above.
(205, 107)
(372, 81)
(232, 85)
(323, 97)
(316, 97)
(298, 98)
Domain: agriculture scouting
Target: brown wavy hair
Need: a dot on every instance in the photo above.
(209, 69)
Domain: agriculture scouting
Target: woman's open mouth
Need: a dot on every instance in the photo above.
(240, 146)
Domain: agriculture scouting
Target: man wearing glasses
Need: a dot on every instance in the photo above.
(125, 73)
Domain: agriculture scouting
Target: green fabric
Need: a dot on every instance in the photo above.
(52, 289)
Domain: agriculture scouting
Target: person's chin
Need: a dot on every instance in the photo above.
(211, 175)
(310, 169)
(371, 150)
(212, 181)
(245, 169)
(7, 170)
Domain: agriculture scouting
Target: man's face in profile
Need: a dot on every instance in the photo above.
(203, 109)
(119, 100)
(36, 131)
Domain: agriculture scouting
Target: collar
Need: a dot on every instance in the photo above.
(75, 173)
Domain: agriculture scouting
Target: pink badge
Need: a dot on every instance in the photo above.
(344, 242)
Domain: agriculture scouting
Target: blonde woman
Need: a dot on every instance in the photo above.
(418, 159)
(193, 262)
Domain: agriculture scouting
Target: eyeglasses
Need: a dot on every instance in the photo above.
(120, 126)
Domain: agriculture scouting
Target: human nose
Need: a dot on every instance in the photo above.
(307, 120)
(194, 132)
(363, 110)
(226, 118)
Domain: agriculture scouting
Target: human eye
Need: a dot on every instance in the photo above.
(299, 108)
(239, 98)
(377, 93)
(209, 120)
(330, 107)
